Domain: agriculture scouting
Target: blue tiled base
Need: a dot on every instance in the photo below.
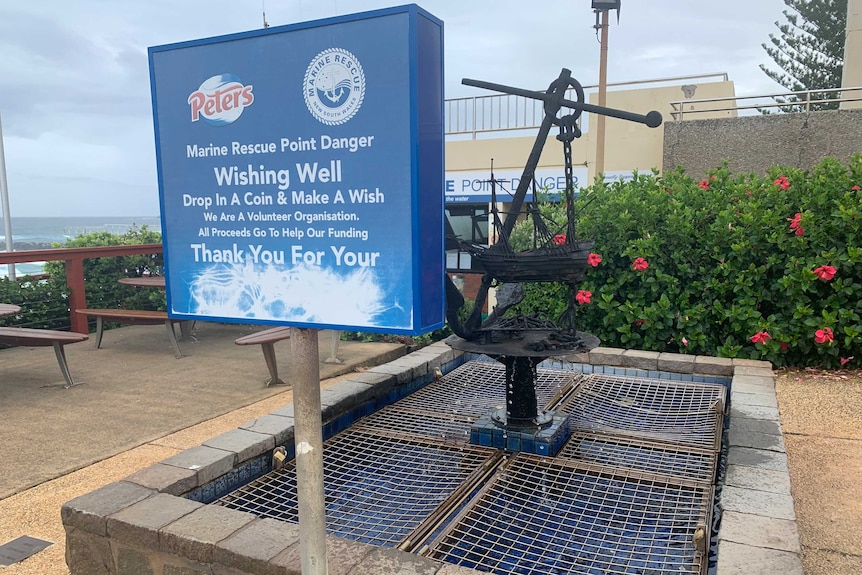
(237, 477)
(546, 441)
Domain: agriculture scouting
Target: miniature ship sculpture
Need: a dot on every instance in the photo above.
(522, 342)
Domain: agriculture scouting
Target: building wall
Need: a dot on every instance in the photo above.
(754, 143)
(630, 145)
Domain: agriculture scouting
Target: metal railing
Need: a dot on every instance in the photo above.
(805, 100)
(504, 112)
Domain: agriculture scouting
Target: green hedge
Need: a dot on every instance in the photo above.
(737, 265)
(43, 307)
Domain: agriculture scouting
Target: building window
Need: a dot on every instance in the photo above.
(466, 222)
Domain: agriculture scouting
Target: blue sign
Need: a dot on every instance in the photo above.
(300, 173)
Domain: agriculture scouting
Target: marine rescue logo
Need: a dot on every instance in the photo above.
(220, 100)
(334, 86)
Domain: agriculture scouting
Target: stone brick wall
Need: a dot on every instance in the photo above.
(754, 143)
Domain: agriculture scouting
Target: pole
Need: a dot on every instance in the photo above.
(308, 438)
(4, 199)
(603, 92)
(852, 74)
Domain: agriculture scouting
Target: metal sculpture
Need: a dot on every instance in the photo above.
(522, 342)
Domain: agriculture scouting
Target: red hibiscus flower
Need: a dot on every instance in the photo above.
(640, 264)
(856, 189)
(824, 335)
(784, 346)
(704, 185)
(782, 182)
(583, 296)
(760, 337)
(825, 273)
(800, 232)
(685, 342)
(845, 360)
(559, 239)
(795, 221)
(640, 322)
(594, 259)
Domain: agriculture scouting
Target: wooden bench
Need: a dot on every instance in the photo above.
(28, 337)
(265, 339)
(133, 317)
(268, 337)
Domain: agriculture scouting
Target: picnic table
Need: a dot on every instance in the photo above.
(8, 309)
(144, 281)
(23, 336)
(158, 282)
(140, 317)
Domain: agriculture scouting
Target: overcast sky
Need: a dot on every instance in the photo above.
(74, 80)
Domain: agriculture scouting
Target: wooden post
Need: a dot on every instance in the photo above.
(77, 295)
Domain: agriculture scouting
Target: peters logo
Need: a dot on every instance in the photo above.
(334, 86)
(220, 100)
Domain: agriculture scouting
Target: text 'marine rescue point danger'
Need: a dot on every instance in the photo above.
(301, 173)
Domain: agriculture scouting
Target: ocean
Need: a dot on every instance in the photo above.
(42, 233)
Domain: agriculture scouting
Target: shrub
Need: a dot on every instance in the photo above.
(45, 307)
(737, 265)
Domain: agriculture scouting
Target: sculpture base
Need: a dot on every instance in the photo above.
(545, 438)
(533, 343)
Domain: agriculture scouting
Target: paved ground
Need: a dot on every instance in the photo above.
(821, 416)
(36, 512)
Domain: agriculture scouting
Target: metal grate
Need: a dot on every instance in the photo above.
(629, 453)
(422, 424)
(671, 411)
(540, 516)
(478, 387)
(377, 489)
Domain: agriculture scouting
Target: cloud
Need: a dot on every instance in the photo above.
(75, 102)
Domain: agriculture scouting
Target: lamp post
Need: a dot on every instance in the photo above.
(601, 8)
(4, 203)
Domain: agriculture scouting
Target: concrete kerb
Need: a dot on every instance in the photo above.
(758, 532)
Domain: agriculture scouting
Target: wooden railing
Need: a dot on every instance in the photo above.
(74, 259)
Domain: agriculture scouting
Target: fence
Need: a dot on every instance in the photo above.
(74, 260)
(802, 101)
